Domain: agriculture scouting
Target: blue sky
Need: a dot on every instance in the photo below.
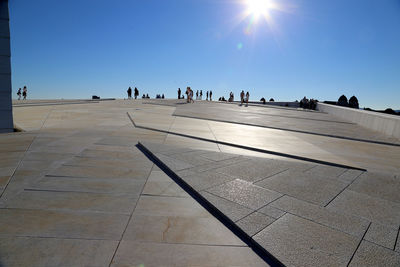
(319, 49)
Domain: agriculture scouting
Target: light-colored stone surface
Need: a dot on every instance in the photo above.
(369, 254)
(103, 186)
(300, 242)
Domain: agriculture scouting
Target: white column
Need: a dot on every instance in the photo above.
(6, 118)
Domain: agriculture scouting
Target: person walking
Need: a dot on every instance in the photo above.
(179, 93)
(136, 93)
(207, 96)
(19, 94)
(24, 93)
(210, 95)
(129, 91)
(241, 97)
(201, 94)
(247, 98)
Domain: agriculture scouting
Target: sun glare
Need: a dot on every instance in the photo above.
(258, 8)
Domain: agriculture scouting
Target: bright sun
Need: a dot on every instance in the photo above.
(258, 8)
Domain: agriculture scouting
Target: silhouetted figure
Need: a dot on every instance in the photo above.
(19, 94)
(353, 102)
(343, 101)
(162, 96)
(201, 94)
(263, 100)
(25, 92)
(247, 98)
(179, 93)
(136, 93)
(147, 96)
(241, 97)
(210, 95)
(207, 96)
(197, 95)
(231, 96)
(271, 100)
(129, 91)
(143, 96)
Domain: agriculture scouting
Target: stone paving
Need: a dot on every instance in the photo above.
(303, 214)
(75, 190)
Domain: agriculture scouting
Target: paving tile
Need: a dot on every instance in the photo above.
(180, 230)
(50, 200)
(303, 186)
(133, 187)
(203, 180)
(346, 223)
(172, 163)
(254, 223)
(131, 253)
(41, 223)
(101, 172)
(382, 235)
(253, 170)
(30, 251)
(374, 209)
(94, 153)
(369, 254)
(231, 209)
(170, 206)
(324, 171)
(161, 184)
(218, 156)
(300, 242)
(245, 193)
(378, 185)
(135, 163)
(349, 176)
(193, 157)
(272, 211)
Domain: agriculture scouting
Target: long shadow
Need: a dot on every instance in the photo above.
(258, 249)
(246, 147)
(291, 130)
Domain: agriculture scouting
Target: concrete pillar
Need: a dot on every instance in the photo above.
(6, 118)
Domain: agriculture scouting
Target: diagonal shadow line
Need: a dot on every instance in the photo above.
(247, 147)
(291, 130)
(257, 248)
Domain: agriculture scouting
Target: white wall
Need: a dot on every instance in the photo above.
(384, 123)
(6, 119)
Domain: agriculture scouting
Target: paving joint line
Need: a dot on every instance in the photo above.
(259, 250)
(130, 217)
(362, 238)
(292, 130)
(253, 148)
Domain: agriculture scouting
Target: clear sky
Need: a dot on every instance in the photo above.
(285, 49)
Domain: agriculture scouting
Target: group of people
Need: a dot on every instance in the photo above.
(189, 95)
(308, 103)
(24, 93)
(136, 93)
(244, 98)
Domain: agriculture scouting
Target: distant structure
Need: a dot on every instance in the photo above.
(353, 102)
(6, 121)
(342, 101)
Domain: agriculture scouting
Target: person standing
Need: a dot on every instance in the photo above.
(136, 93)
(179, 93)
(210, 95)
(24, 93)
(241, 97)
(201, 94)
(207, 96)
(247, 98)
(197, 95)
(19, 94)
(129, 91)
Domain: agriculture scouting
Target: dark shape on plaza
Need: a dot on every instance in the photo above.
(95, 97)
(342, 101)
(271, 100)
(353, 102)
